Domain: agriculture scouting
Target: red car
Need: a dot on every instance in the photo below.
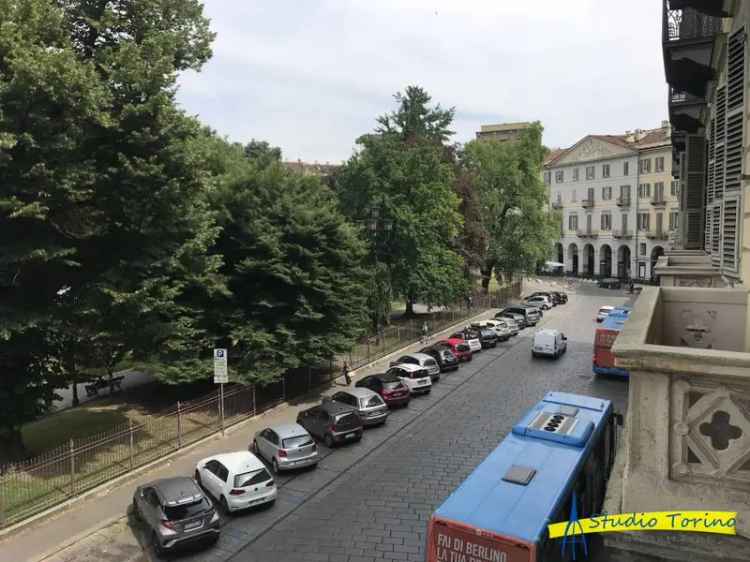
(389, 386)
(459, 348)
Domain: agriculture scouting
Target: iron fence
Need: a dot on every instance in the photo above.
(63, 473)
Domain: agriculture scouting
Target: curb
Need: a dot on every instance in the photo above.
(28, 525)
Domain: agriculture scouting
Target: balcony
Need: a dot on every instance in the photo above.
(587, 203)
(657, 234)
(622, 233)
(587, 233)
(687, 42)
(714, 8)
(658, 201)
(623, 201)
(557, 205)
(686, 111)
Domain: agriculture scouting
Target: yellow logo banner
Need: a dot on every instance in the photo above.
(721, 522)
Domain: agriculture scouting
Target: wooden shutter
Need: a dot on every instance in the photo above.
(720, 128)
(715, 248)
(730, 235)
(710, 170)
(693, 185)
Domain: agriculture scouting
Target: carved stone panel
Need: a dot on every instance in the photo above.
(710, 432)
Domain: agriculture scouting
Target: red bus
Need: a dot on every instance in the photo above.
(604, 339)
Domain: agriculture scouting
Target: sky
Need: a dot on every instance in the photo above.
(310, 76)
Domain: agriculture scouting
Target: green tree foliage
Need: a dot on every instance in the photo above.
(103, 218)
(506, 177)
(262, 153)
(399, 188)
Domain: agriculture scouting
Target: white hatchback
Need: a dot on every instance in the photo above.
(236, 480)
(415, 377)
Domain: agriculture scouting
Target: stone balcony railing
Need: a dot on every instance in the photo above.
(686, 444)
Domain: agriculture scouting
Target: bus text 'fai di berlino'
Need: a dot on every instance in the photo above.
(560, 452)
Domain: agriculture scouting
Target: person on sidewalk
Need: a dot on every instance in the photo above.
(345, 372)
(425, 331)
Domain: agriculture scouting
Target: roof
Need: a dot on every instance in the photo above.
(486, 501)
(333, 407)
(554, 154)
(504, 127)
(238, 461)
(417, 355)
(411, 367)
(547, 332)
(616, 318)
(358, 391)
(285, 430)
(176, 490)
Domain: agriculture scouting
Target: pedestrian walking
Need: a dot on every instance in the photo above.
(345, 372)
(425, 331)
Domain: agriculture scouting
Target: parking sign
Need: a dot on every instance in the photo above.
(221, 372)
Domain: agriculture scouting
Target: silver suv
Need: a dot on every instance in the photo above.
(286, 446)
(176, 512)
(370, 406)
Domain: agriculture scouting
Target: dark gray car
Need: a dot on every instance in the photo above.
(370, 406)
(176, 513)
(333, 422)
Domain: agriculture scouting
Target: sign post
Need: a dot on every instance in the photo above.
(221, 377)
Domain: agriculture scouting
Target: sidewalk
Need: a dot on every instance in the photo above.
(101, 516)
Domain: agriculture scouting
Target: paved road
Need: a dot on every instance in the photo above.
(377, 506)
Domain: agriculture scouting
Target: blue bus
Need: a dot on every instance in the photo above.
(563, 448)
(603, 362)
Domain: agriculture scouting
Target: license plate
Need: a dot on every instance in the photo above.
(350, 436)
(193, 525)
(422, 381)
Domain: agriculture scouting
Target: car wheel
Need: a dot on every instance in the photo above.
(158, 550)
(428, 391)
(533, 354)
(275, 466)
(328, 440)
(224, 505)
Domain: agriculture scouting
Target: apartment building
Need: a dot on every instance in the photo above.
(618, 202)
(502, 131)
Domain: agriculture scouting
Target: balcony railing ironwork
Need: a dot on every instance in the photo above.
(658, 201)
(688, 24)
(557, 204)
(622, 233)
(623, 201)
(587, 203)
(587, 233)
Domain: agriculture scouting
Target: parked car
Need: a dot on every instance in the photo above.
(610, 283)
(446, 359)
(538, 310)
(333, 422)
(488, 337)
(415, 377)
(471, 337)
(551, 295)
(563, 296)
(530, 314)
(604, 311)
(176, 512)
(501, 329)
(540, 301)
(236, 480)
(389, 386)
(551, 343)
(423, 360)
(371, 408)
(458, 347)
(510, 323)
(518, 318)
(286, 446)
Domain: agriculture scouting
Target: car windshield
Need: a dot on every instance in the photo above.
(250, 478)
(296, 441)
(371, 402)
(390, 385)
(178, 512)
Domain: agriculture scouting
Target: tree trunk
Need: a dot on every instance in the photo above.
(409, 313)
(110, 374)
(76, 401)
(11, 445)
(486, 271)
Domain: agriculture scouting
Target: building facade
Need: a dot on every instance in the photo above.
(502, 131)
(618, 202)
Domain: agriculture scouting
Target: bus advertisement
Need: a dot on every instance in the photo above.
(554, 464)
(604, 339)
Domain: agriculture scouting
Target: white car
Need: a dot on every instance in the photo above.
(422, 360)
(416, 378)
(236, 480)
(471, 337)
(512, 325)
(604, 312)
(551, 343)
(502, 329)
(540, 302)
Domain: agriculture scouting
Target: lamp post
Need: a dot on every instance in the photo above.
(378, 229)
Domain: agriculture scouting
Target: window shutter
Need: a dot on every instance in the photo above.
(735, 70)
(715, 249)
(694, 185)
(730, 235)
(719, 131)
(710, 170)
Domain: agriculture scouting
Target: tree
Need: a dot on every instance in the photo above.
(399, 186)
(262, 153)
(513, 199)
(102, 199)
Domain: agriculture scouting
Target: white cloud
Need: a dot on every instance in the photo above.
(312, 76)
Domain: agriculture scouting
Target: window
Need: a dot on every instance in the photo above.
(625, 168)
(643, 248)
(625, 192)
(659, 222)
(606, 193)
(558, 197)
(573, 196)
(674, 220)
(296, 441)
(572, 221)
(643, 220)
(646, 166)
(591, 194)
(576, 174)
(644, 190)
(548, 177)
(606, 221)
(659, 164)
(605, 170)
(624, 223)
(674, 188)
(178, 512)
(250, 478)
(659, 191)
(559, 176)
(589, 173)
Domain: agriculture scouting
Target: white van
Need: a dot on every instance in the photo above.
(551, 343)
